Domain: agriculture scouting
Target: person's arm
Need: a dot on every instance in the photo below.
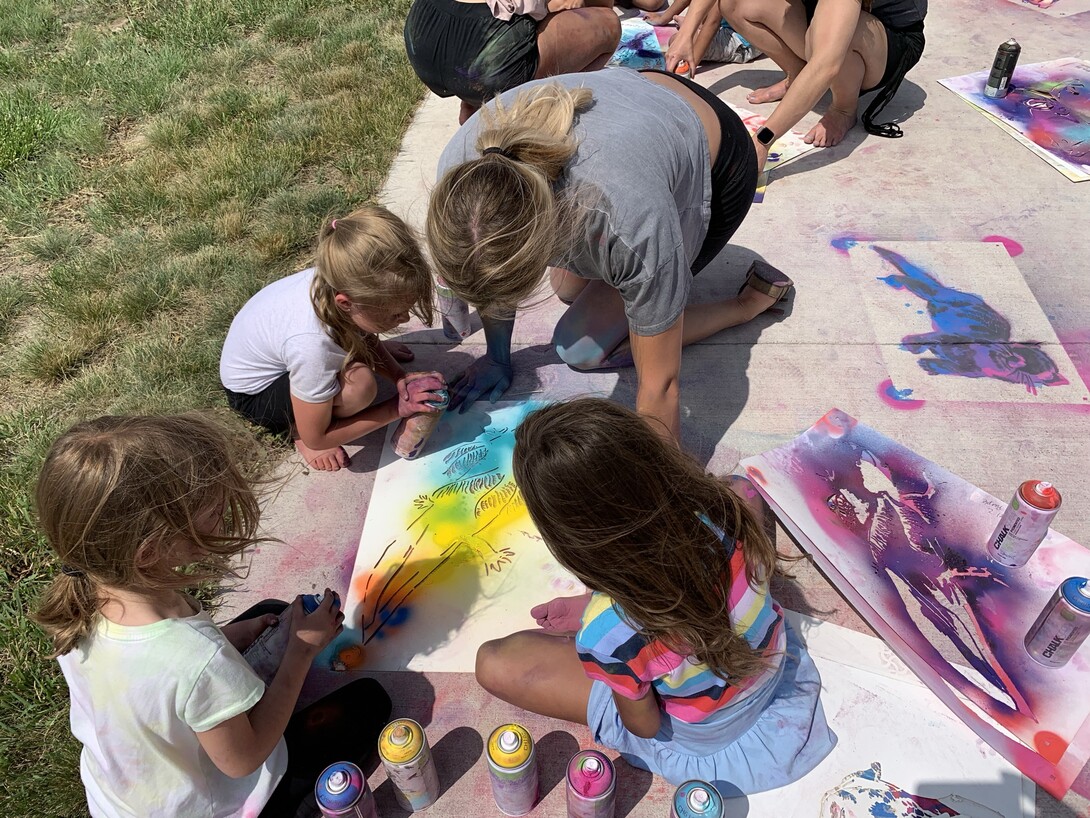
(490, 375)
(831, 33)
(641, 717)
(318, 429)
(388, 366)
(242, 634)
(658, 366)
(682, 45)
(240, 745)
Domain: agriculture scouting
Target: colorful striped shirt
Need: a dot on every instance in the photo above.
(612, 651)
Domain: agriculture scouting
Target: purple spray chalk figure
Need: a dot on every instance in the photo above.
(892, 510)
(970, 338)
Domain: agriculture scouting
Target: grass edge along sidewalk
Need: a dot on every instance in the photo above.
(159, 163)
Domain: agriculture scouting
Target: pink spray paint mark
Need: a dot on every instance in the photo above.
(1013, 248)
(897, 398)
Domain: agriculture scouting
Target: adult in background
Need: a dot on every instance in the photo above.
(476, 49)
(849, 47)
(626, 183)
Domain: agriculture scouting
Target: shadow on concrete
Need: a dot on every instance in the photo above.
(554, 750)
(632, 786)
(790, 594)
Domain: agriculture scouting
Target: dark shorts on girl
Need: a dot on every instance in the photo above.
(734, 174)
(270, 408)
(461, 50)
(904, 47)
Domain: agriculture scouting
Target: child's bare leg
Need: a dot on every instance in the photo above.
(538, 672)
(566, 284)
(776, 27)
(574, 40)
(358, 391)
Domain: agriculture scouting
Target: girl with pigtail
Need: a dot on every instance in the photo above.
(172, 719)
(303, 354)
(624, 185)
(679, 658)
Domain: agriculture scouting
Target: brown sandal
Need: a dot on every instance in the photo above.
(765, 278)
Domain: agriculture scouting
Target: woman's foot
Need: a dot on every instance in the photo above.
(333, 459)
(770, 93)
(401, 352)
(832, 128)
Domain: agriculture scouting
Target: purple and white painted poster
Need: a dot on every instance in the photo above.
(1047, 110)
(956, 321)
(903, 540)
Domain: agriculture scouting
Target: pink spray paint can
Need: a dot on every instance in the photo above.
(413, 432)
(1024, 524)
(592, 790)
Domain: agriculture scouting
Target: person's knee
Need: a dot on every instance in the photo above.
(610, 28)
(750, 10)
(491, 669)
(581, 353)
(359, 388)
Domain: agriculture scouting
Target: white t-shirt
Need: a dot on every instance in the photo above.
(139, 697)
(276, 331)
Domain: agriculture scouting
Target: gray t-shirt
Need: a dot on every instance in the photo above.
(899, 13)
(642, 180)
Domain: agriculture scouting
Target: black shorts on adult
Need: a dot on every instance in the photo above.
(270, 408)
(734, 174)
(461, 50)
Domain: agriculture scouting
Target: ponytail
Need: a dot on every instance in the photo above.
(494, 223)
(68, 609)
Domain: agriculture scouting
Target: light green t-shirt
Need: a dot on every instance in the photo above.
(139, 696)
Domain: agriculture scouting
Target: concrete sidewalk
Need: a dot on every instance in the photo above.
(953, 177)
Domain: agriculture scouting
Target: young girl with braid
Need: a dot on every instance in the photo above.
(626, 184)
(679, 658)
(303, 354)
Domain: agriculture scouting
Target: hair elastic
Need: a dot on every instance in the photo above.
(69, 571)
(333, 225)
(500, 151)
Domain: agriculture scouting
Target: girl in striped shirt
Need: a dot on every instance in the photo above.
(678, 657)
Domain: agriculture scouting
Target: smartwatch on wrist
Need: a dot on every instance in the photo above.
(765, 136)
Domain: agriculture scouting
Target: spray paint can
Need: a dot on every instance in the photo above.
(266, 652)
(1024, 524)
(999, 78)
(512, 767)
(592, 791)
(1062, 626)
(405, 754)
(413, 432)
(341, 790)
(455, 312)
(696, 799)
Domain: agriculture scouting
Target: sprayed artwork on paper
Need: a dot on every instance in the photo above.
(903, 540)
(880, 710)
(1056, 8)
(639, 47)
(449, 557)
(955, 321)
(864, 794)
(1047, 110)
(783, 150)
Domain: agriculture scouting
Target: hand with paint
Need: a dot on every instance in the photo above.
(417, 390)
(562, 616)
(490, 375)
(312, 632)
(681, 50)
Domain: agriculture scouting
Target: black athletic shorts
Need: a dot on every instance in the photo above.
(904, 47)
(461, 50)
(734, 174)
(270, 408)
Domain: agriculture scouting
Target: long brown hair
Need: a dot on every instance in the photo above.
(116, 495)
(494, 223)
(373, 257)
(619, 507)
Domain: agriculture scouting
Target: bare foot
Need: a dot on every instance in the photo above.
(832, 128)
(466, 110)
(333, 459)
(400, 351)
(770, 93)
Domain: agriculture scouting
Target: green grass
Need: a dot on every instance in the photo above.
(159, 163)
